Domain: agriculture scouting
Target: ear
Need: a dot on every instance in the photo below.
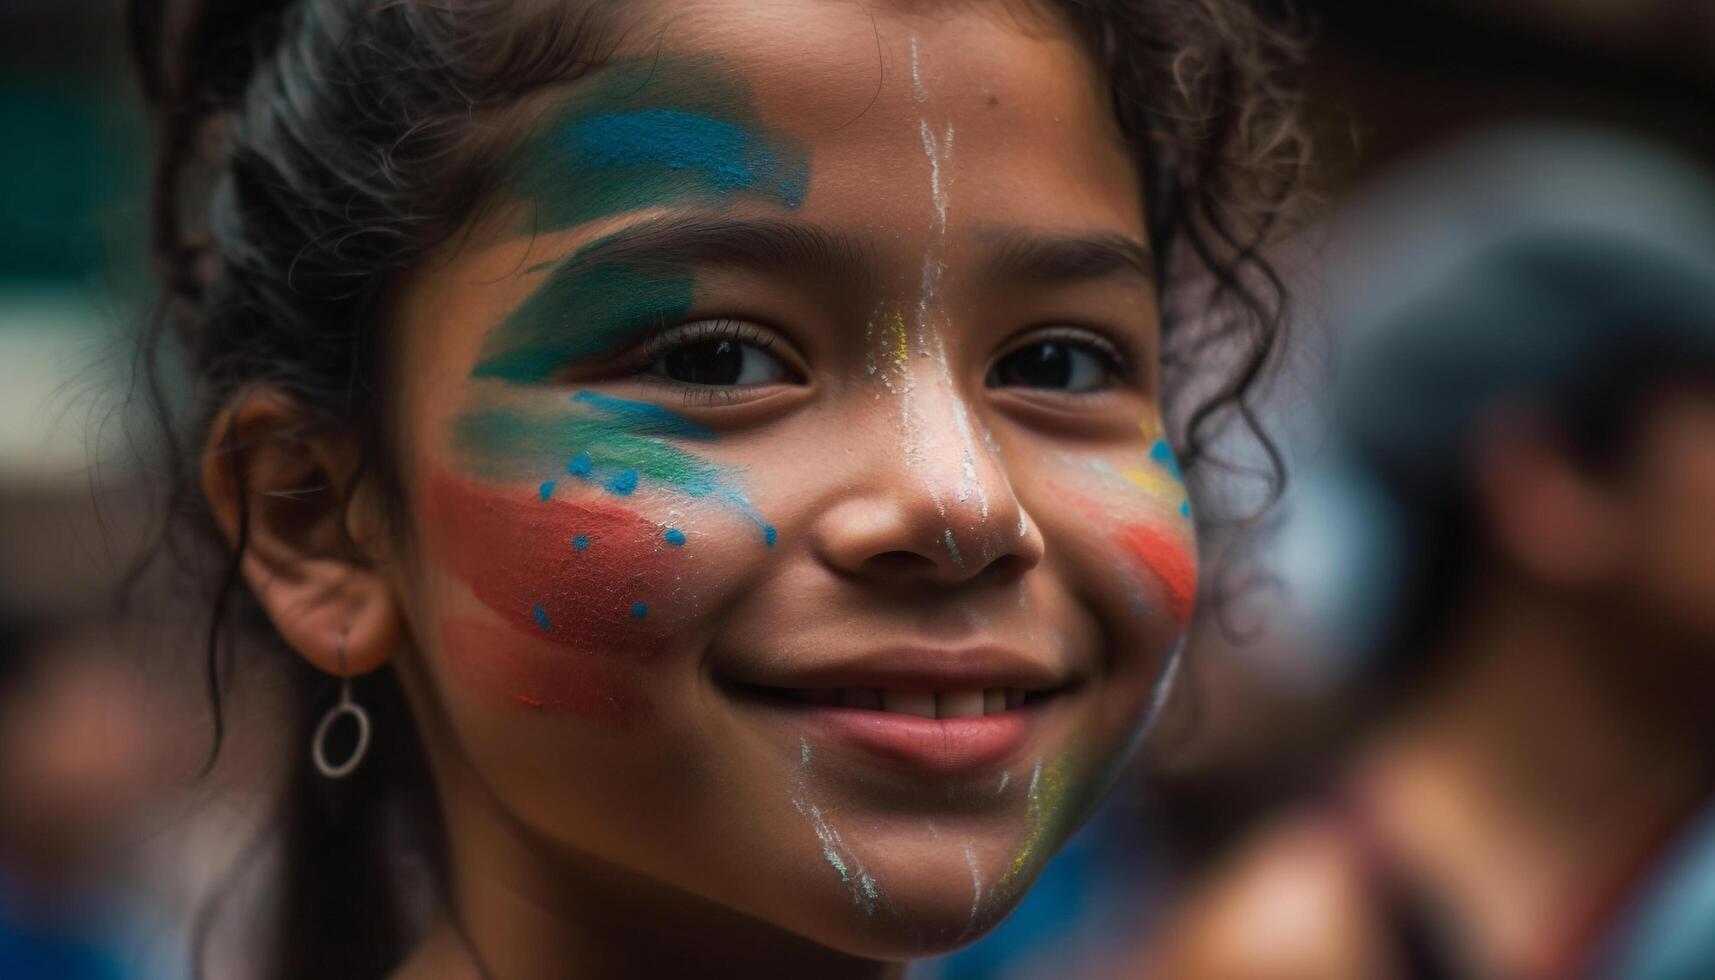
(285, 492)
(1547, 516)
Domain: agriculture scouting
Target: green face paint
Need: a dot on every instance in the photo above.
(650, 132)
(584, 309)
(617, 445)
(509, 444)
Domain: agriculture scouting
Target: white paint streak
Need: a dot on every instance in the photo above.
(1005, 778)
(1163, 690)
(864, 893)
(976, 891)
(952, 547)
(917, 90)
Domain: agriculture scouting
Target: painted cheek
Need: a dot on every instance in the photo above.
(581, 582)
(538, 675)
(1170, 558)
(1165, 554)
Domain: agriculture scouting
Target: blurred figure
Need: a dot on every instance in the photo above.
(79, 758)
(1523, 476)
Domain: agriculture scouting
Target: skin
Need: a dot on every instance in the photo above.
(590, 559)
(1593, 613)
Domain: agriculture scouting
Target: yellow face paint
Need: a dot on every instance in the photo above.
(898, 342)
(1046, 800)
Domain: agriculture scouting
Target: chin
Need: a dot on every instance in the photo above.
(923, 897)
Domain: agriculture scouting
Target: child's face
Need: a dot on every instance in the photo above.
(806, 390)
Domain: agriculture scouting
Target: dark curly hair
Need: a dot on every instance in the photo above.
(313, 152)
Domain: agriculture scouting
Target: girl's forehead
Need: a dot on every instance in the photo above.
(822, 68)
(841, 111)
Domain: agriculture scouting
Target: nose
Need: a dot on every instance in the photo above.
(933, 502)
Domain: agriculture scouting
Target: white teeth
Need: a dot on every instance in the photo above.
(919, 703)
(861, 697)
(973, 703)
(959, 704)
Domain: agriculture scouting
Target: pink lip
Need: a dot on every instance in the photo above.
(930, 746)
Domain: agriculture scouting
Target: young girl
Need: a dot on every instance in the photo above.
(723, 440)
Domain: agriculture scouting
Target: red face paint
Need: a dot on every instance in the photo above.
(542, 676)
(1166, 555)
(566, 574)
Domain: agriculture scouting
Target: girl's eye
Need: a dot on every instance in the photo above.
(713, 354)
(1058, 364)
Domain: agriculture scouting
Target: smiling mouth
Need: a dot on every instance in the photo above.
(939, 734)
(968, 703)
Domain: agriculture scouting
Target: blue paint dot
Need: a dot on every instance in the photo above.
(769, 534)
(547, 489)
(1185, 508)
(674, 536)
(542, 618)
(580, 466)
(1162, 453)
(581, 542)
(639, 609)
(623, 484)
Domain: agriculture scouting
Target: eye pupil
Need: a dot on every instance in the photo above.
(1043, 365)
(718, 361)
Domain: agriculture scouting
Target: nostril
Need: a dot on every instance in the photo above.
(899, 563)
(1004, 569)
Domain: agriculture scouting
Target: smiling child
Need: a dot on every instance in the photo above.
(727, 438)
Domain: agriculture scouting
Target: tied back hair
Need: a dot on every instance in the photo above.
(313, 153)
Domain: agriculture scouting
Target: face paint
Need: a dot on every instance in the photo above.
(650, 132)
(865, 893)
(586, 307)
(1167, 556)
(635, 135)
(1047, 805)
(612, 444)
(539, 675)
(522, 558)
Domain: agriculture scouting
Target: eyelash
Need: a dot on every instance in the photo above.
(658, 346)
(1113, 358)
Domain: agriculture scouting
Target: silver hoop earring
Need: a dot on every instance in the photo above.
(346, 706)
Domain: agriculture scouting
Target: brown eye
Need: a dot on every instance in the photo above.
(1055, 364)
(710, 355)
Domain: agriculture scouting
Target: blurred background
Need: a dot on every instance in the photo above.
(1497, 372)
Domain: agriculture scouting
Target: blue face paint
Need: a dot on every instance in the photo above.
(675, 537)
(652, 132)
(542, 618)
(639, 610)
(721, 156)
(547, 489)
(1162, 453)
(623, 483)
(581, 542)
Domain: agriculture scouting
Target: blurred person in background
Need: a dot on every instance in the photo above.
(79, 761)
(1523, 463)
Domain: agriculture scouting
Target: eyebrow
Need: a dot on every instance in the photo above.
(1021, 255)
(793, 248)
